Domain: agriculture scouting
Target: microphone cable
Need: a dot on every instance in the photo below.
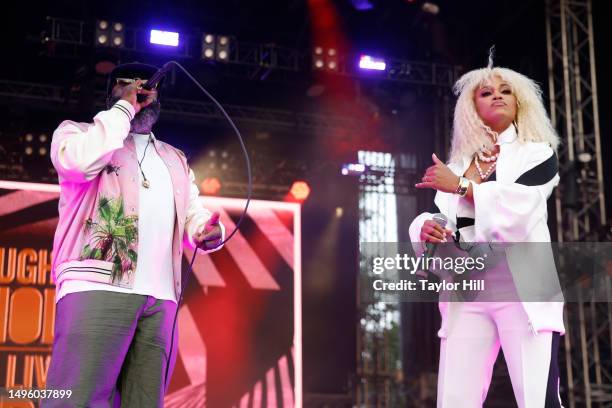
(242, 216)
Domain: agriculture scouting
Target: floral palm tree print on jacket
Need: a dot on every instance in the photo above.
(113, 237)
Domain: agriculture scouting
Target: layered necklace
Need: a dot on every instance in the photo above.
(485, 159)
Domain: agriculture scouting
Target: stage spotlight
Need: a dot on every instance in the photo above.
(110, 35)
(368, 62)
(216, 47)
(210, 186)
(430, 8)
(325, 59)
(362, 5)
(223, 48)
(318, 61)
(160, 37)
(584, 157)
(118, 35)
(208, 46)
(332, 59)
(299, 190)
(208, 53)
(35, 144)
(353, 169)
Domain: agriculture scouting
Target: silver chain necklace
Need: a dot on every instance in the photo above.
(145, 182)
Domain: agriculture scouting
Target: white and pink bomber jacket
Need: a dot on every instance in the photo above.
(97, 233)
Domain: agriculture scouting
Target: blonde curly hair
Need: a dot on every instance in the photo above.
(470, 134)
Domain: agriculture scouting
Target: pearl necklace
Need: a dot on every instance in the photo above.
(485, 175)
(487, 159)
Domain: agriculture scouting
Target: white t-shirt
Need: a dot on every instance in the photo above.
(156, 216)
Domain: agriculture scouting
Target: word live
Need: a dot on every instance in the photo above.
(27, 313)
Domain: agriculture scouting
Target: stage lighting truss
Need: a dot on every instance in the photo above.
(110, 34)
(217, 47)
(253, 60)
(325, 59)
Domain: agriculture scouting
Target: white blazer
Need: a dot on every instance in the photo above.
(510, 207)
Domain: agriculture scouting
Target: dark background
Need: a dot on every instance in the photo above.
(460, 35)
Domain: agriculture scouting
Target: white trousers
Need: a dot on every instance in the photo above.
(468, 353)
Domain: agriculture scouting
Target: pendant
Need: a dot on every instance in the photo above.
(145, 183)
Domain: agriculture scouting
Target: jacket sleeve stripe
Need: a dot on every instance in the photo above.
(540, 174)
(124, 110)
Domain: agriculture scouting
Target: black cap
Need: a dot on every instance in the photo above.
(130, 70)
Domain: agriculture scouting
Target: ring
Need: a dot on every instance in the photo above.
(139, 87)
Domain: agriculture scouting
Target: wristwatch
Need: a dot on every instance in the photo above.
(462, 187)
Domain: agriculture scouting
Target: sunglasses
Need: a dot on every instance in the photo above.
(128, 81)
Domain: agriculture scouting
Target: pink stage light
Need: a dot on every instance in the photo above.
(370, 63)
(164, 38)
(211, 186)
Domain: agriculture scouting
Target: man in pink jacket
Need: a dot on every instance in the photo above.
(128, 205)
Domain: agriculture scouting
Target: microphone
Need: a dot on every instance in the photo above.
(156, 77)
(441, 220)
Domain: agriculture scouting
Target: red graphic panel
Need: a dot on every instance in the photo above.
(239, 325)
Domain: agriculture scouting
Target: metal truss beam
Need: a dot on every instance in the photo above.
(55, 98)
(258, 61)
(575, 114)
(580, 211)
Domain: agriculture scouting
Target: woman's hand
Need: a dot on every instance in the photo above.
(431, 231)
(439, 177)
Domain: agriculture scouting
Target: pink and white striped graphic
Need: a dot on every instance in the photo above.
(240, 327)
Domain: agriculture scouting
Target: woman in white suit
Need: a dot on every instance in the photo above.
(502, 170)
